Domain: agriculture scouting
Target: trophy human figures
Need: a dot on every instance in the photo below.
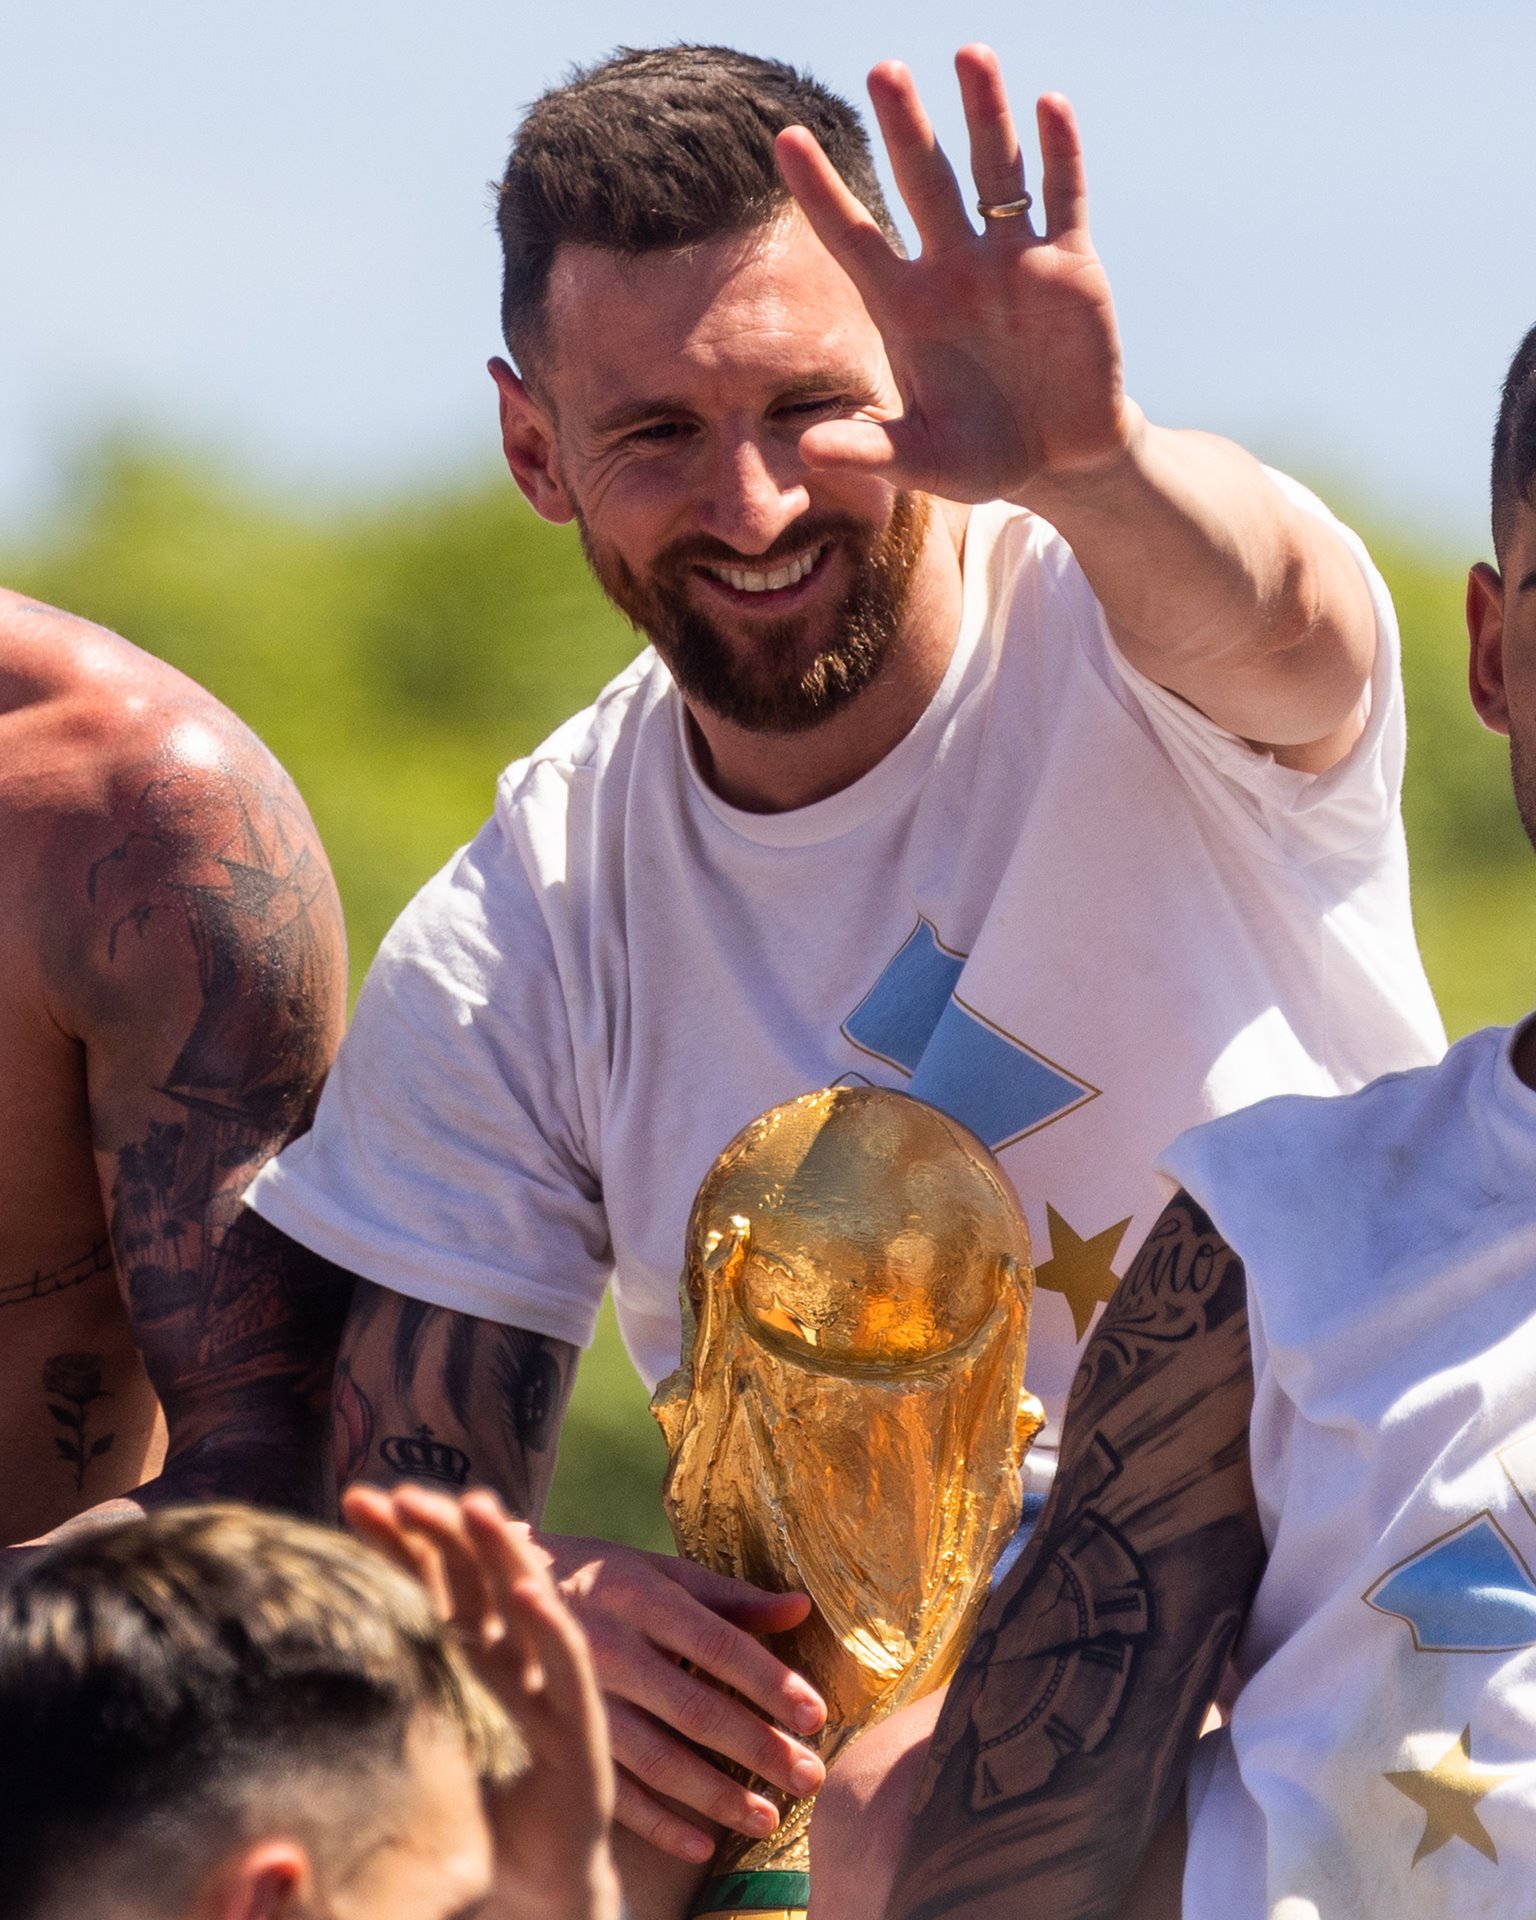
(849, 1418)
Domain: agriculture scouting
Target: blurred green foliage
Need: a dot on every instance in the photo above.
(396, 657)
(1473, 893)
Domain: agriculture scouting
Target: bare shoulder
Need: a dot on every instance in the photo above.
(154, 838)
(79, 701)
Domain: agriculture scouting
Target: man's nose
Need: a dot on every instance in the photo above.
(753, 496)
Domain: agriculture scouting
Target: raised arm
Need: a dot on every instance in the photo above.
(1067, 1732)
(447, 1400)
(1007, 358)
(203, 979)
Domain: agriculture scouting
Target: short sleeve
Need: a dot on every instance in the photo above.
(1298, 817)
(446, 1160)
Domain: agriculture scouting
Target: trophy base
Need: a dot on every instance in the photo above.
(762, 1893)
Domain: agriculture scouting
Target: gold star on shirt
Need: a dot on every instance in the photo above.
(1449, 1792)
(1079, 1269)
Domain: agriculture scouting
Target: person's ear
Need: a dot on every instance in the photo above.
(272, 1880)
(528, 440)
(1485, 660)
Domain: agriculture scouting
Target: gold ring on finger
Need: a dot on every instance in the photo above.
(1005, 209)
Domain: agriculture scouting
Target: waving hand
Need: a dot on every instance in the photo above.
(1003, 342)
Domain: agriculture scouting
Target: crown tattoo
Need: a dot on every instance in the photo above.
(424, 1458)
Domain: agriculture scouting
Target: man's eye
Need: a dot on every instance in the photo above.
(807, 409)
(657, 434)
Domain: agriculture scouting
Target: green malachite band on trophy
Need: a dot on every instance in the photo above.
(760, 1890)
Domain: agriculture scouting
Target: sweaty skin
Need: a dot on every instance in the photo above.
(174, 986)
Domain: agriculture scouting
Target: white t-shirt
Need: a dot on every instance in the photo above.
(1381, 1757)
(1066, 907)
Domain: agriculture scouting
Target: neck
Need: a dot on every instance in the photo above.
(1523, 1053)
(777, 772)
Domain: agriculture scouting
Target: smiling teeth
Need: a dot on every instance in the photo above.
(755, 580)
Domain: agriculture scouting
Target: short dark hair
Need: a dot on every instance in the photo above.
(1514, 443)
(168, 1684)
(658, 149)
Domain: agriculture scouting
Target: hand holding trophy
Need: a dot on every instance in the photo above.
(849, 1417)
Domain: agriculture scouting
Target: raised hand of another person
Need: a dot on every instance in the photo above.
(549, 1825)
(1003, 343)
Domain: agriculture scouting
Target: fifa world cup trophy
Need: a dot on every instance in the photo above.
(849, 1416)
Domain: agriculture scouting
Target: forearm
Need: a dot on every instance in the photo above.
(1217, 585)
(422, 1393)
(279, 1461)
(243, 1368)
(1073, 1844)
(1066, 1733)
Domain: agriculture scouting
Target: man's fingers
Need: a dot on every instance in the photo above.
(515, 1548)
(663, 1829)
(867, 446)
(843, 224)
(1063, 181)
(632, 1669)
(708, 1618)
(645, 1616)
(731, 1656)
(924, 177)
(370, 1512)
(754, 1609)
(653, 1758)
(542, 1634)
(442, 1522)
(997, 164)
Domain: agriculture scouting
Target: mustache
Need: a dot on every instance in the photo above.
(702, 550)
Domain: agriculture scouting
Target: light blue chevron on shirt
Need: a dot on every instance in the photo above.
(956, 1059)
(1468, 1593)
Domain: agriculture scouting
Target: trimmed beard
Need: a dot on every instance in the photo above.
(1522, 767)
(771, 691)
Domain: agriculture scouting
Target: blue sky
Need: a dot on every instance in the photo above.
(266, 229)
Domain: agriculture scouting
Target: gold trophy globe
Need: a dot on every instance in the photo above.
(849, 1416)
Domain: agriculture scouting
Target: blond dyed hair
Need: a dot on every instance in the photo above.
(170, 1686)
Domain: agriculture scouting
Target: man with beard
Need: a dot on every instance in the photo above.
(995, 744)
(1303, 1434)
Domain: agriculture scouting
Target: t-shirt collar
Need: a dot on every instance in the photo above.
(903, 769)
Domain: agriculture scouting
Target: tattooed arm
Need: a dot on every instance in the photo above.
(446, 1399)
(1065, 1738)
(201, 974)
(426, 1394)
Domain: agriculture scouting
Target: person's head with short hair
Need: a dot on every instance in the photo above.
(678, 325)
(1501, 599)
(223, 1713)
(1514, 444)
(655, 150)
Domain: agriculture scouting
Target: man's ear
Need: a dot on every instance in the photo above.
(528, 440)
(272, 1880)
(1485, 661)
